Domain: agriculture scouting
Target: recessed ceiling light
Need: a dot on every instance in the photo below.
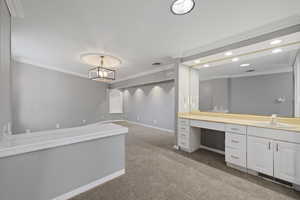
(275, 42)
(276, 50)
(182, 7)
(229, 53)
(197, 61)
(206, 65)
(245, 65)
(235, 59)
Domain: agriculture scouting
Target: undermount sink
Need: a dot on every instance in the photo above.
(269, 124)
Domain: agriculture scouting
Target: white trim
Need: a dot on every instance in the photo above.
(90, 186)
(164, 68)
(212, 149)
(15, 8)
(149, 126)
(297, 85)
(25, 61)
(277, 71)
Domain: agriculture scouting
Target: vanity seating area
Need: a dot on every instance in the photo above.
(252, 143)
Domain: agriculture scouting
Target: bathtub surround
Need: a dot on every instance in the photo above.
(5, 55)
(59, 172)
(43, 98)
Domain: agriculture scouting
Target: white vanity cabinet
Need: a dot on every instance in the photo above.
(260, 155)
(287, 161)
(275, 153)
(188, 138)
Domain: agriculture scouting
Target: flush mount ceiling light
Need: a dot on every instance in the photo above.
(277, 50)
(197, 61)
(182, 7)
(235, 59)
(103, 66)
(245, 65)
(229, 53)
(274, 42)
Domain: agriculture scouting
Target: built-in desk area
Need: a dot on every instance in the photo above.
(252, 144)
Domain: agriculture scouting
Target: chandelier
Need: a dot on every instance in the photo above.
(101, 73)
(103, 66)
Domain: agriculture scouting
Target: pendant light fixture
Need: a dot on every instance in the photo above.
(182, 7)
(102, 73)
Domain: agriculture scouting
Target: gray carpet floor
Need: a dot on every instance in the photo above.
(155, 171)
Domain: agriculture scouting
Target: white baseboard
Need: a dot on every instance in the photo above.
(212, 149)
(90, 186)
(149, 126)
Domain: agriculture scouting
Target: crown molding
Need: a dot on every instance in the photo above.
(15, 8)
(164, 68)
(277, 71)
(25, 61)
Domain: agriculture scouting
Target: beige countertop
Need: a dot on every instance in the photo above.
(287, 124)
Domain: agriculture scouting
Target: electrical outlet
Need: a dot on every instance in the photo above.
(57, 125)
(138, 118)
(84, 121)
(154, 121)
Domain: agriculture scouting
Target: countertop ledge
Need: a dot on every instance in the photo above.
(24, 143)
(239, 119)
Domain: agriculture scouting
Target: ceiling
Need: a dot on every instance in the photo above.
(55, 33)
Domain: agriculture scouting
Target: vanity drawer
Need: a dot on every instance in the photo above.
(236, 129)
(183, 135)
(235, 141)
(235, 157)
(183, 122)
(185, 129)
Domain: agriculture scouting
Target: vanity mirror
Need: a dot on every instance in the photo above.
(259, 79)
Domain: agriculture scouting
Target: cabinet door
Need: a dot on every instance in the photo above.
(260, 155)
(287, 162)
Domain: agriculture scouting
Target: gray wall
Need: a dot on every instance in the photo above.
(249, 95)
(5, 106)
(152, 104)
(46, 174)
(42, 98)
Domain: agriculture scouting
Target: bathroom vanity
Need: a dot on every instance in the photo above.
(226, 100)
(250, 142)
